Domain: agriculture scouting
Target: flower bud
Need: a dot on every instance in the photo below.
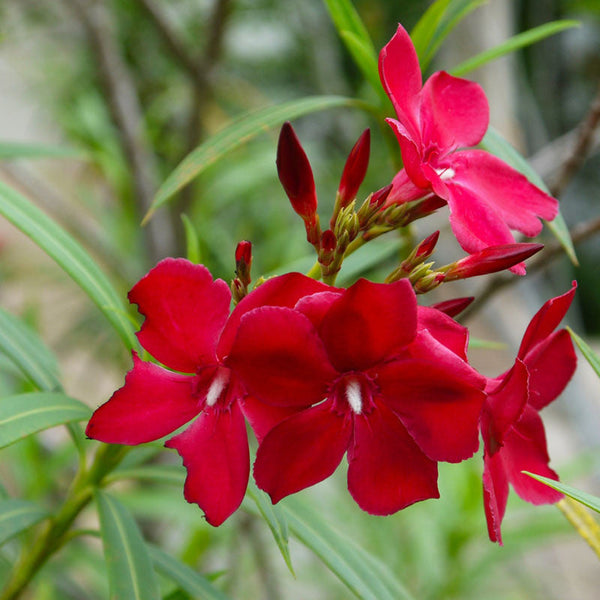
(355, 169)
(453, 307)
(328, 246)
(295, 173)
(243, 261)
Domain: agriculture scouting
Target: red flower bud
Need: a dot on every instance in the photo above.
(491, 260)
(295, 173)
(355, 169)
(380, 196)
(243, 252)
(328, 241)
(426, 247)
(453, 307)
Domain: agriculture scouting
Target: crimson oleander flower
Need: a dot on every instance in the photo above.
(512, 430)
(360, 371)
(189, 329)
(486, 197)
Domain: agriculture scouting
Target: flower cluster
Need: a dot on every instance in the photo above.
(320, 372)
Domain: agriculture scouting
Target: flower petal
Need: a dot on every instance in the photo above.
(153, 403)
(412, 158)
(439, 408)
(214, 449)
(316, 306)
(301, 451)
(444, 329)
(263, 417)
(185, 313)
(454, 112)
(284, 290)
(280, 358)
(387, 470)
(368, 323)
(495, 494)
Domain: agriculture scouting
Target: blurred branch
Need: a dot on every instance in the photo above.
(127, 114)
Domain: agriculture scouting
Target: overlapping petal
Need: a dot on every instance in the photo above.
(495, 494)
(444, 329)
(214, 449)
(153, 403)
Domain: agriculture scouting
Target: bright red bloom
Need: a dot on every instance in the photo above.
(189, 329)
(486, 197)
(513, 432)
(358, 374)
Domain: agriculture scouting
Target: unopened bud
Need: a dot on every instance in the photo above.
(243, 261)
(355, 169)
(421, 253)
(429, 282)
(453, 307)
(380, 196)
(328, 246)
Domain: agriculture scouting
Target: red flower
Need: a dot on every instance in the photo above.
(486, 197)
(512, 430)
(189, 329)
(357, 375)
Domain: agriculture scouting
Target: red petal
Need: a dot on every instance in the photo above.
(387, 470)
(302, 451)
(400, 75)
(444, 329)
(525, 450)
(439, 409)
(280, 358)
(495, 494)
(411, 149)
(454, 306)
(316, 306)
(185, 313)
(454, 112)
(368, 323)
(215, 453)
(153, 403)
(546, 320)
(263, 417)
(284, 290)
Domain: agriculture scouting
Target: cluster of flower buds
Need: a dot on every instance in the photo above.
(321, 372)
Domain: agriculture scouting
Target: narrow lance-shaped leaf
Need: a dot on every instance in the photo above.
(20, 150)
(17, 516)
(69, 255)
(237, 133)
(24, 414)
(130, 572)
(587, 351)
(23, 346)
(493, 142)
(586, 499)
(427, 25)
(516, 42)
(191, 240)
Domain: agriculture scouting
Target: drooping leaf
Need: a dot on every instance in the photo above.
(584, 498)
(516, 42)
(130, 572)
(17, 516)
(364, 575)
(20, 150)
(494, 142)
(24, 347)
(25, 414)
(587, 351)
(237, 133)
(184, 576)
(69, 255)
(275, 519)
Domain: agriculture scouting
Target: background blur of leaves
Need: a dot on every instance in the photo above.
(241, 55)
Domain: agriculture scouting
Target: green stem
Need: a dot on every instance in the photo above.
(55, 531)
(315, 271)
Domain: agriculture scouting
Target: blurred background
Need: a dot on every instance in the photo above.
(124, 90)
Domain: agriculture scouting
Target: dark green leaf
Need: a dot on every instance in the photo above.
(586, 499)
(69, 255)
(511, 45)
(237, 133)
(28, 352)
(18, 515)
(25, 414)
(184, 576)
(587, 351)
(130, 572)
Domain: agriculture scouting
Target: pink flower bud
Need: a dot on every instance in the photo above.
(355, 169)
(453, 307)
(491, 260)
(295, 173)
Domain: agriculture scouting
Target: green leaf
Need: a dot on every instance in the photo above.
(130, 572)
(485, 344)
(493, 142)
(165, 474)
(23, 346)
(237, 133)
(69, 255)
(18, 515)
(19, 150)
(346, 18)
(587, 352)
(516, 42)
(25, 414)
(584, 498)
(364, 575)
(184, 576)
(422, 33)
(275, 520)
(191, 240)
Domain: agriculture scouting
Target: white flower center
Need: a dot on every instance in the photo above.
(446, 173)
(218, 384)
(354, 396)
